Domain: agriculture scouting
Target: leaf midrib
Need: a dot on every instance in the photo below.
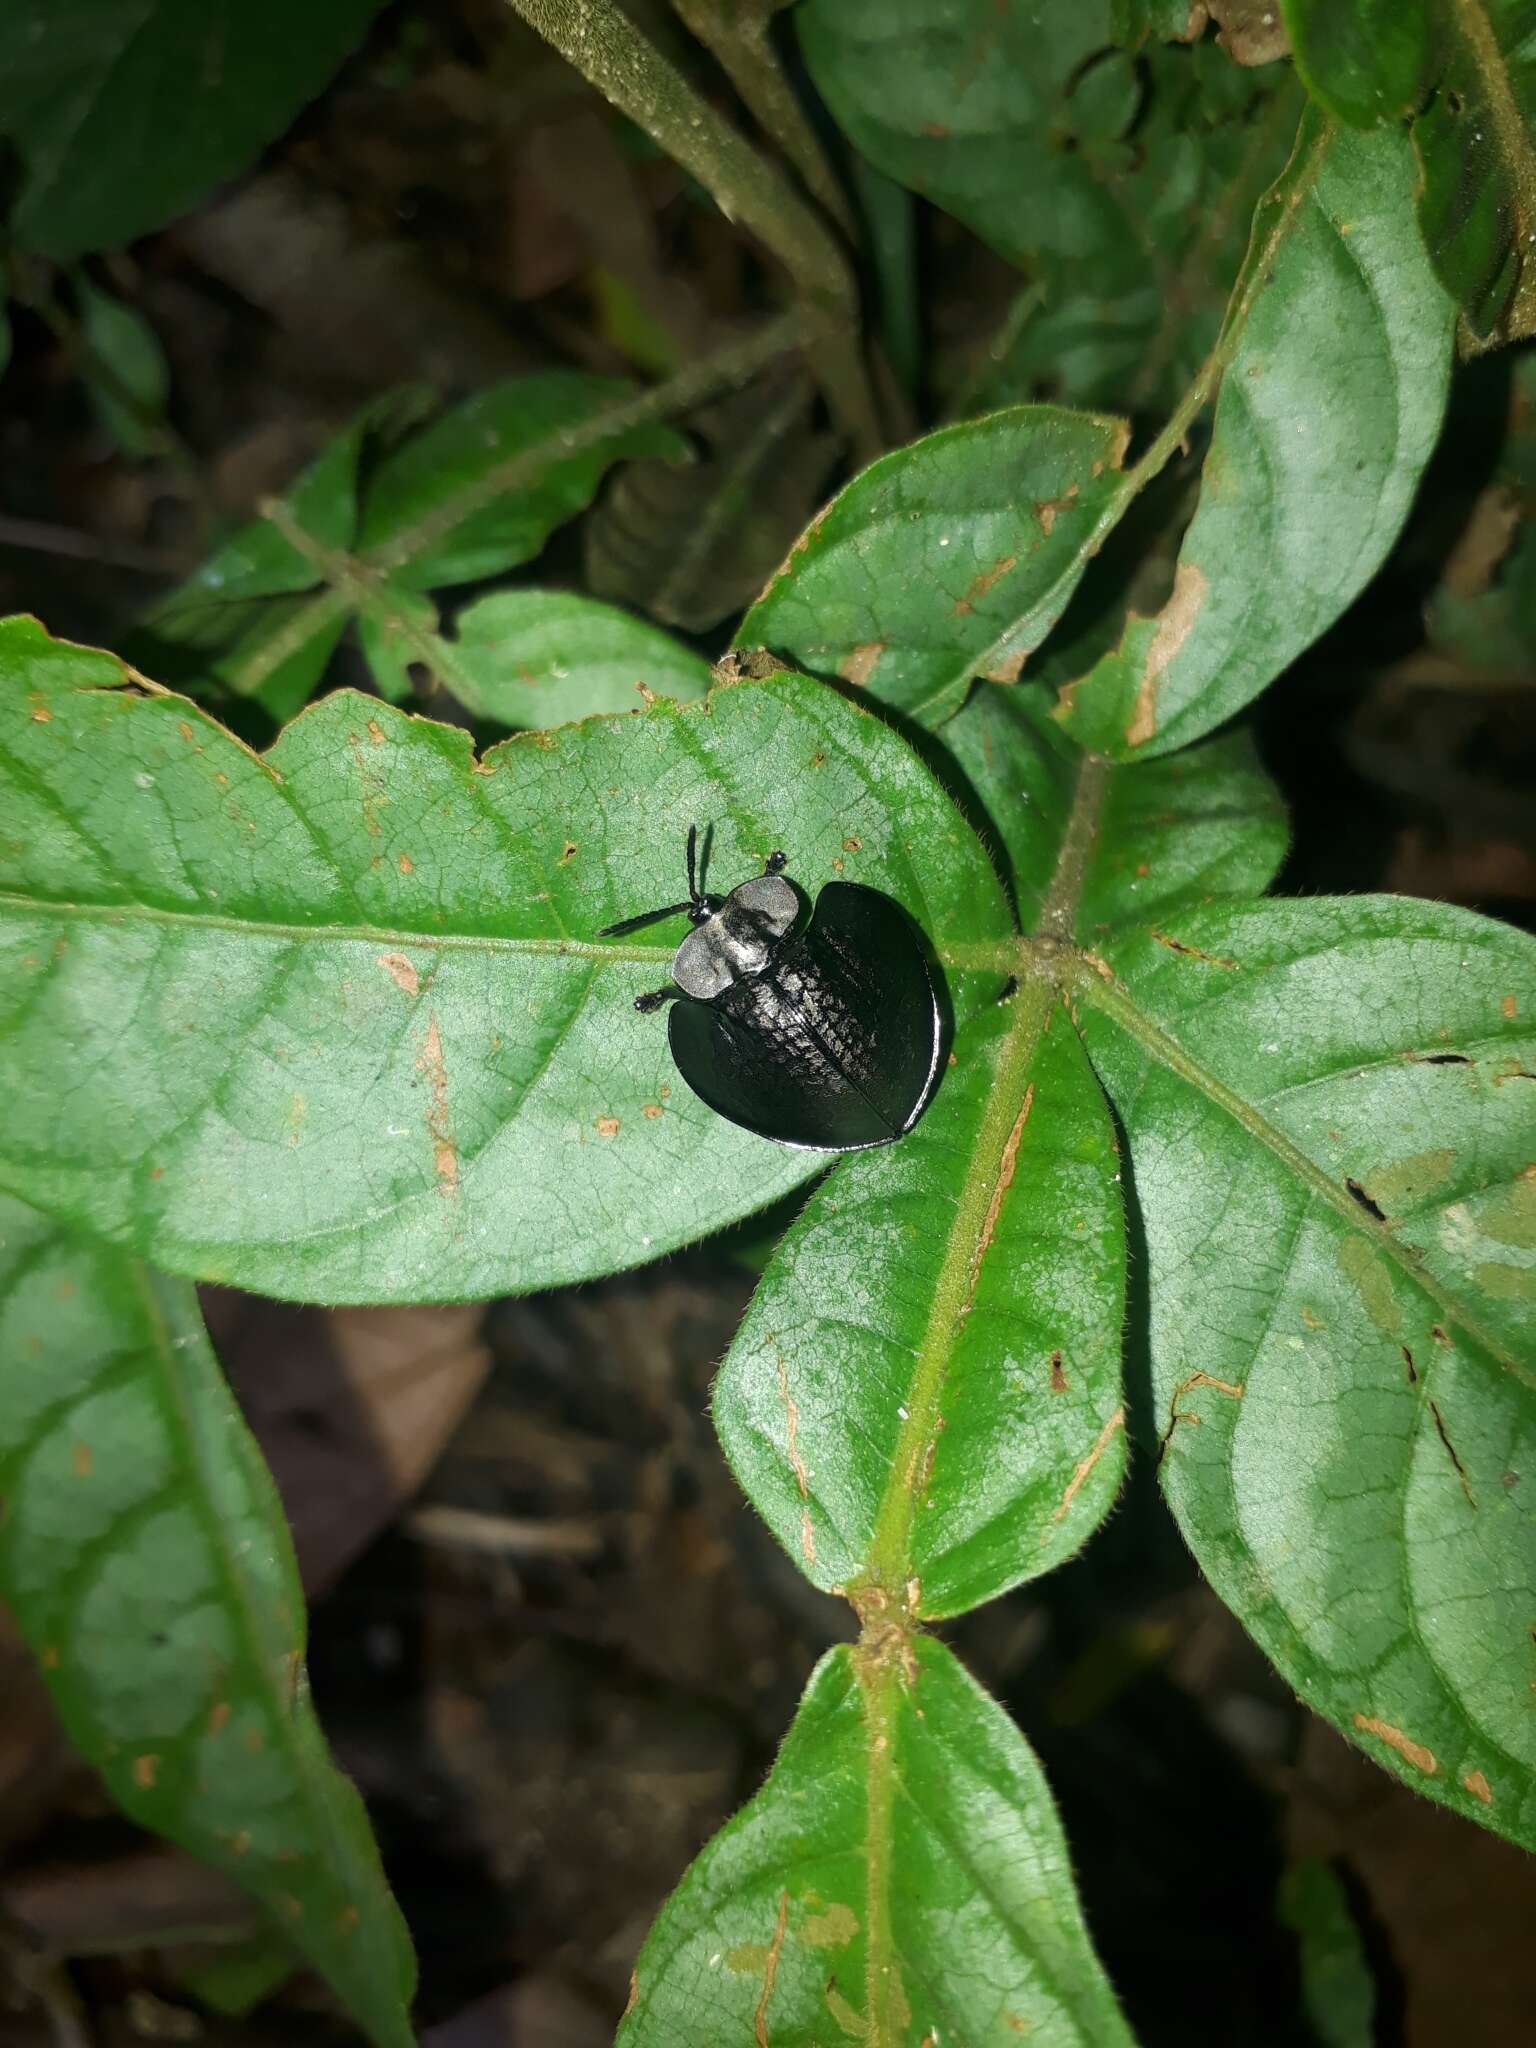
(1114, 1001)
(995, 955)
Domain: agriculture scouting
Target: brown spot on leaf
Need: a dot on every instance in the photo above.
(185, 730)
(346, 1920)
(445, 1156)
(218, 1716)
(1101, 1445)
(1005, 1173)
(853, 846)
(606, 1126)
(1410, 1751)
(401, 972)
(81, 1461)
(935, 129)
(652, 1110)
(1178, 946)
(987, 579)
(1058, 1374)
(1450, 1451)
(375, 732)
(405, 864)
(145, 1771)
(770, 1970)
(567, 852)
(1190, 585)
(796, 1462)
(859, 665)
(41, 715)
(1479, 1787)
(1510, 1007)
(1009, 669)
(816, 760)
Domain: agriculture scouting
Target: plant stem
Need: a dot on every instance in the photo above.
(606, 47)
(736, 33)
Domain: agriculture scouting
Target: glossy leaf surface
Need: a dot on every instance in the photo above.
(144, 1554)
(543, 657)
(127, 116)
(925, 1393)
(1331, 1121)
(946, 560)
(1316, 452)
(901, 1875)
(377, 1053)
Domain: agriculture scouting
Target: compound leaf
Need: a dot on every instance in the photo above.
(144, 1553)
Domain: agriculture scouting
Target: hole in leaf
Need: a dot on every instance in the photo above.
(1370, 1207)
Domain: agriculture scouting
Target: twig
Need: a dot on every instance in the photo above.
(607, 48)
(40, 537)
(736, 34)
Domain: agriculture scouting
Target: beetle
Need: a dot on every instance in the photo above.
(826, 1038)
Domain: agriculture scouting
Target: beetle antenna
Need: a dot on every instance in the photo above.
(633, 924)
(693, 843)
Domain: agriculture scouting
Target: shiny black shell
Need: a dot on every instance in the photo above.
(833, 1044)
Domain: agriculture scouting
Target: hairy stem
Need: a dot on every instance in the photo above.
(736, 33)
(600, 40)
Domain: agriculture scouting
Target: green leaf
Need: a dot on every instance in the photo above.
(900, 1877)
(946, 560)
(124, 369)
(542, 657)
(1122, 188)
(144, 1554)
(460, 453)
(692, 543)
(1316, 453)
(377, 1053)
(962, 101)
(245, 612)
(1367, 60)
(1338, 1990)
(1331, 1119)
(1206, 822)
(923, 1402)
(127, 116)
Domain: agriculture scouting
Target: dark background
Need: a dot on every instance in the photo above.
(559, 1665)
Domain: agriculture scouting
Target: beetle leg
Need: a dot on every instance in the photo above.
(776, 863)
(646, 1004)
